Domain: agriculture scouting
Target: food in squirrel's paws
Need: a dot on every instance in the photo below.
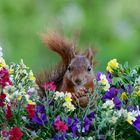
(75, 70)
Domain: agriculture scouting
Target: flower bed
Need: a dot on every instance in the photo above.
(115, 114)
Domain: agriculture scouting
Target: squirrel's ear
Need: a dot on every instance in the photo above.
(89, 54)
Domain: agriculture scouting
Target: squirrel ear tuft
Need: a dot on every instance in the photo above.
(89, 54)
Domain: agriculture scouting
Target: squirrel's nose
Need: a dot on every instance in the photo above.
(78, 81)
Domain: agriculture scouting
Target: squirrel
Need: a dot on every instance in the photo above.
(74, 73)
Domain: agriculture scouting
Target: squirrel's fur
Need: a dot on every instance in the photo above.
(74, 70)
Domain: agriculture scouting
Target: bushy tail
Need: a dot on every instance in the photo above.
(60, 45)
(65, 49)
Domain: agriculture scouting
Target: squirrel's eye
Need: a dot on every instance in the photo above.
(89, 68)
(69, 68)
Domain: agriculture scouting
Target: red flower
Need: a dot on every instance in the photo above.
(31, 110)
(15, 133)
(60, 125)
(8, 112)
(49, 86)
(4, 77)
(2, 99)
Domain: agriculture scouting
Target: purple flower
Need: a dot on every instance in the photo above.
(130, 88)
(117, 102)
(40, 117)
(110, 94)
(132, 107)
(136, 123)
(109, 77)
(98, 74)
(91, 116)
(88, 121)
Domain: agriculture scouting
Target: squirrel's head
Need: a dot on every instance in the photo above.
(80, 70)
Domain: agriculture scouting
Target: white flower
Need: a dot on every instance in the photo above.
(69, 106)
(114, 119)
(58, 94)
(122, 113)
(108, 104)
(137, 81)
(104, 81)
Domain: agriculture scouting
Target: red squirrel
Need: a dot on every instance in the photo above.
(75, 71)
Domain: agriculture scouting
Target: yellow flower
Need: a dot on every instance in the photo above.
(2, 62)
(19, 97)
(31, 102)
(69, 106)
(11, 71)
(124, 96)
(129, 120)
(31, 76)
(112, 64)
(138, 93)
(68, 97)
(131, 116)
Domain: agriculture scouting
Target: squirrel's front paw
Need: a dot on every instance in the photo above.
(81, 98)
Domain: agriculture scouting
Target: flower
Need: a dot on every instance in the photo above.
(124, 96)
(60, 125)
(69, 106)
(31, 110)
(4, 77)
(108, 104)
(112, 64)
(136, 123)
(2, 62)
(103, 80)
(88, 121)
(11, 71)
(8, 112)
(59, 95)
(2, 99)
(130, 88)
(40, 116)
(68, 97)
(49, 86)
(112, 95)
(138, 93)
(117, 102)
(131, 117)
(31, 76)
(15, 133)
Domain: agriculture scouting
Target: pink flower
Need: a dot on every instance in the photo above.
(49, 86)
(60, 125)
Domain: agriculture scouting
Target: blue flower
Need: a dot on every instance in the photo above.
(40, 117)
(130, 88)
(136, 123)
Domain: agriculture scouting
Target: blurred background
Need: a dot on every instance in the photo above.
(113, 26)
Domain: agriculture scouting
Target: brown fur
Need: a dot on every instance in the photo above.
(65, 80)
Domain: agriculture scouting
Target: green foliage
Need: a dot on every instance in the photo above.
(113, 26)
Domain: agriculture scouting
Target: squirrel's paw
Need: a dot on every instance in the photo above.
(80, 97)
